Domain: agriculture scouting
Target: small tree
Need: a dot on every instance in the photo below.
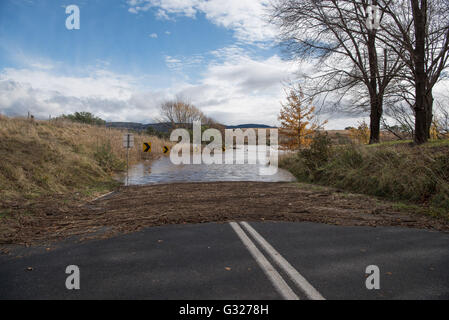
(360, 134)
(440, 125)
(296, 121)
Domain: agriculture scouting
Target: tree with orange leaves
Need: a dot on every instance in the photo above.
(296, 116)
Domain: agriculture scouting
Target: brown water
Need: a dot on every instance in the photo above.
(163, 171)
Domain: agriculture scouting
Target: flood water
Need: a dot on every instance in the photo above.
(164, 171)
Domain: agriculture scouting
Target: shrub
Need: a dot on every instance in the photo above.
(360, 134)
(84, 117)
(107, 160)
(151, 131)
(318, 154)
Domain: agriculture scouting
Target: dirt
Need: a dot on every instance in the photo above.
(134, 208)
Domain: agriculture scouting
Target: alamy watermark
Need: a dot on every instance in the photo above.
(73, 280)
(372, 281)
(256, 150)
(73, 20)
(373, 17)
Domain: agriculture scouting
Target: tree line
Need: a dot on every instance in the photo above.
(394, 64)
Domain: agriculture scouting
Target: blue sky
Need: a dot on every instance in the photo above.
(130, 55)
(129, 43)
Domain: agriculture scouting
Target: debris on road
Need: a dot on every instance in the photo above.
(134, 208)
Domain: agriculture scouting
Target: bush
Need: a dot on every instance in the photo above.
(318, 154)
(107, 160)
(360, 134)
(156, 133)
(84, 117)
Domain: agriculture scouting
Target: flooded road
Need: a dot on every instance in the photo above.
(163, 171)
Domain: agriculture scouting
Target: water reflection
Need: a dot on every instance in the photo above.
(163, 171)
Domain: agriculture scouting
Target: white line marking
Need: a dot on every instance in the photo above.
(294, 275)
(281, 286)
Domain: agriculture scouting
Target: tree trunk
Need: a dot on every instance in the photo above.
(375, 99)
(429, 112)
(421, 117)
(375, 117)
(420, 126)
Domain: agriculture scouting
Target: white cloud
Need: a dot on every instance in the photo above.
(234, 88)
(247, 18)
(181, 63)
(153, 35)
(240, 89)
(111, 96)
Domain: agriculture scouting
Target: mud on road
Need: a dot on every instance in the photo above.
(133, 208)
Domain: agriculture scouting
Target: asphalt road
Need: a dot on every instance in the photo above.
(211, 261)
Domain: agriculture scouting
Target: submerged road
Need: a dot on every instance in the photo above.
(258, 260)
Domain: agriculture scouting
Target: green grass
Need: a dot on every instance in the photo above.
(428, 211)
(100, 188)
(390, 143)
(438, 143)
(430, 144)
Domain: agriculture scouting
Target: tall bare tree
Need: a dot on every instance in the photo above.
(350, 61)
(418, 32)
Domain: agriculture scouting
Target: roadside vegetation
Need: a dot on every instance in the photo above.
(397, 171)
(56, 157)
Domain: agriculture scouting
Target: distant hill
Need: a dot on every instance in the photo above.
(249, 126)
(164, 127)
(161, 127)
(126, 125)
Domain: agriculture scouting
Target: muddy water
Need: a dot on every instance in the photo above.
(163, 171)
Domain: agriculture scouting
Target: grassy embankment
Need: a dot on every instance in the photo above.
(46, 158)
(416, 177)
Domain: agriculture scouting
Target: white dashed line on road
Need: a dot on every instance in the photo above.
(276, 279)
(301, 282)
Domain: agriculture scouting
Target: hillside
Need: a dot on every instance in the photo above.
(42, 158)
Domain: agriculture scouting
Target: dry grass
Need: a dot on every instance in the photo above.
(56, 157)
(399, 172)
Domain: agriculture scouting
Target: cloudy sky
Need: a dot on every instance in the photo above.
(130, 55)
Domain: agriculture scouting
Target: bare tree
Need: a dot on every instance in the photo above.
(178, 113)
(418, 32)
(350, 61)
(404, 126)
(441, 119)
